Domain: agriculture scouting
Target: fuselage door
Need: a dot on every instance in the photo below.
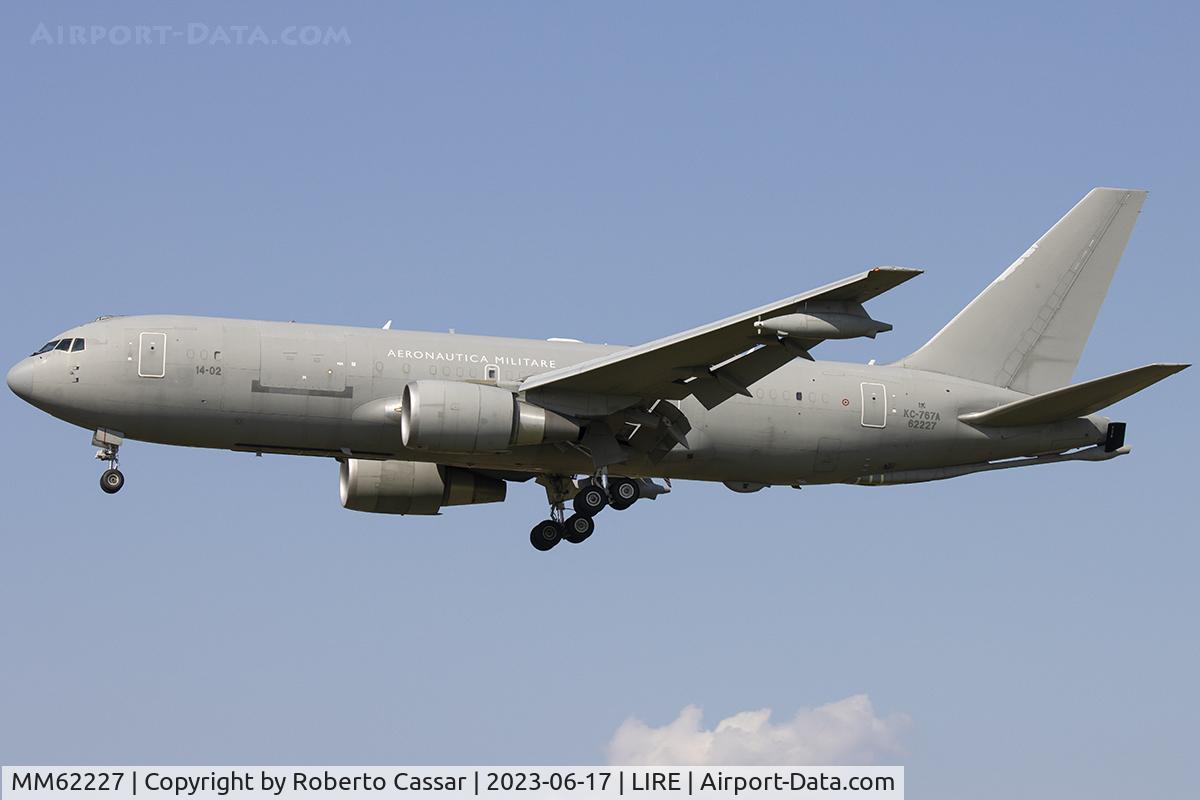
(874, 405)
(152, 355)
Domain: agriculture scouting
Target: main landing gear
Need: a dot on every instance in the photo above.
(624, 493)
(589, 500)
(110, 444)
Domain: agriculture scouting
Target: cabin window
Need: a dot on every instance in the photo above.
(799, 396)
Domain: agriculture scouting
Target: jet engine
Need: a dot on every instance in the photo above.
(454, 417)
(412, 487)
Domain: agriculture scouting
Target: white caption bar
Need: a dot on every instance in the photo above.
(447, 783)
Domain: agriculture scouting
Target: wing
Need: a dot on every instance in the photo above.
(715, 361)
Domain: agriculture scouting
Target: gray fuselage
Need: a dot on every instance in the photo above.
(326, 390)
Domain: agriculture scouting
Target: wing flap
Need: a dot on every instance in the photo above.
(735, 377)
(1070, 402)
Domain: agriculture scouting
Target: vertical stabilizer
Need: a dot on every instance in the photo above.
(1026, 331)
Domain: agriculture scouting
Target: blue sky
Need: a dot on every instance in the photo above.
(610, 172)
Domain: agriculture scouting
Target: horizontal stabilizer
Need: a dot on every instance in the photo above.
(1070, 402)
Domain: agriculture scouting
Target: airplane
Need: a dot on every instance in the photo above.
(423, 421)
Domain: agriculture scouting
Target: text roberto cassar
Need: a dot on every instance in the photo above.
(228, 782)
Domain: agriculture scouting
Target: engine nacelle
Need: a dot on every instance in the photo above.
(413, 487)
(456, 417)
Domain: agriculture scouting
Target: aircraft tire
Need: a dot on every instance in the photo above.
(578, 528)
(111, 481)
(545, 535)
(624, 493)
(590, 501)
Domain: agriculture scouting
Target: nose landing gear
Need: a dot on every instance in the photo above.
(112, 480)
(109, 443)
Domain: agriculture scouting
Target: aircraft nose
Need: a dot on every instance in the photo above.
(20, 379)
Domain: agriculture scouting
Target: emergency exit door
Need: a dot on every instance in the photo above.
(874, 405)
(152, 355)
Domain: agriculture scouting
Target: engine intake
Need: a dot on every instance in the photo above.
(455, 417)
(413, 487)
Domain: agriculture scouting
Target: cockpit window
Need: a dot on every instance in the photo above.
(66, 345)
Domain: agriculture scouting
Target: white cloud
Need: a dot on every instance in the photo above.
(843, 732)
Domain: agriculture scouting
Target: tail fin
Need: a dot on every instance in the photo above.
(1026, 331)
